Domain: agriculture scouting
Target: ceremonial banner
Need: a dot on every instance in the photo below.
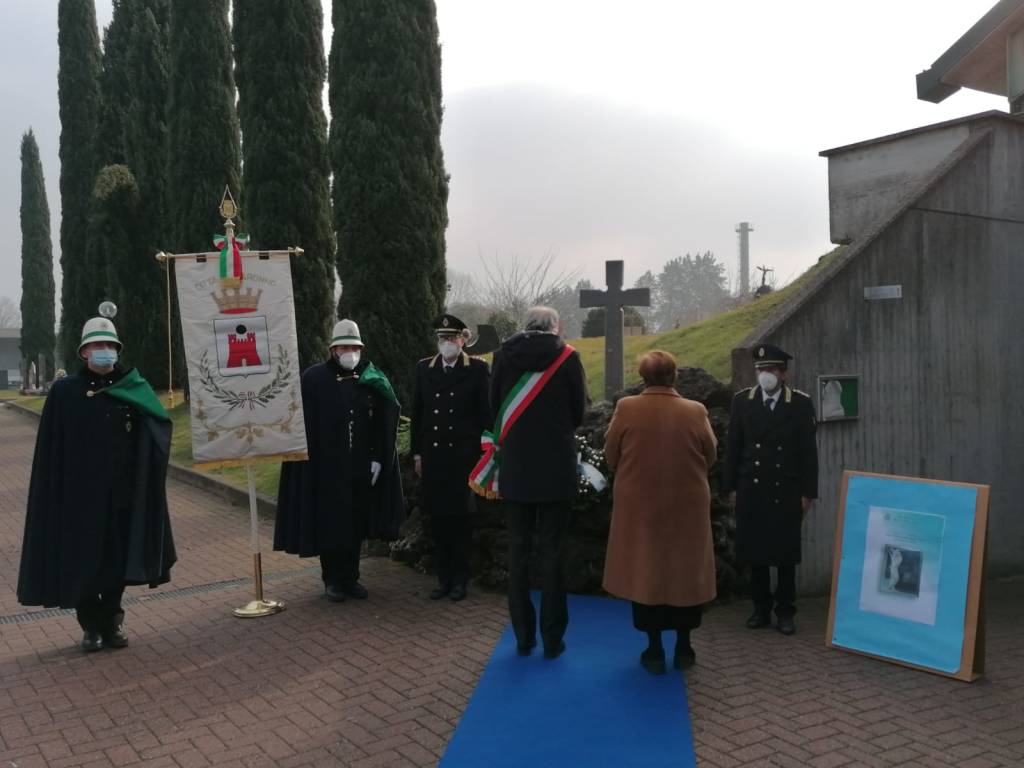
(238, 323)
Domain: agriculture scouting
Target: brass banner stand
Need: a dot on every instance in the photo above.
(259, 606)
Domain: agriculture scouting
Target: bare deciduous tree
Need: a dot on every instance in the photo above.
(10, 315)
(512, 285)
(461, 289)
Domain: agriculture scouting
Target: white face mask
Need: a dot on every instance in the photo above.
(348, 360)
(449, 349)
(768, 381)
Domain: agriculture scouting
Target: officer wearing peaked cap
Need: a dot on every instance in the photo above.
(450, 411)
(771, 474)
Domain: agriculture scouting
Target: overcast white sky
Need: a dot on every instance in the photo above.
(596, 129)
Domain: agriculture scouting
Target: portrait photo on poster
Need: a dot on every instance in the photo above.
(902, 564)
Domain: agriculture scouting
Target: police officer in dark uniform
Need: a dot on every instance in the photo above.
(450, 410)
(771, 474)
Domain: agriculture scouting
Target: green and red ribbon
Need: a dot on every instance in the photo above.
(224, 244)
(483, 480)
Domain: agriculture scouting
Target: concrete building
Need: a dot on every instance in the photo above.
(921, 312)
(10, 357)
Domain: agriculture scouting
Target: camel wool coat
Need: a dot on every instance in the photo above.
(660, 446)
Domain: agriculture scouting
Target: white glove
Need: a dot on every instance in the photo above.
(374, 472)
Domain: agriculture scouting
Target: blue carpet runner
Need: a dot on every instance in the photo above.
(593, 706)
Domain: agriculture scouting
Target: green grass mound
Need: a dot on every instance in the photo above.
(706, 345)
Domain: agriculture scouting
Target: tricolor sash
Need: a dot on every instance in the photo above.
(484, 477)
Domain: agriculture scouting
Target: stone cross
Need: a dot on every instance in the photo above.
(613, 300)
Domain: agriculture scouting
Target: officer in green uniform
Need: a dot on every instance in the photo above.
(771, 474)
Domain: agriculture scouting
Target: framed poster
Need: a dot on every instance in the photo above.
(908, 572)
(838, 398)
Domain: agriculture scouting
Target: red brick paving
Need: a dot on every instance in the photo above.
(383, 682)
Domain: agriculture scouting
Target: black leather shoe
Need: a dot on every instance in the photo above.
(684, 657)
(440, 592)
(554, 652)
(458, 593)
(115, 638)
(525, 649)
(758, 620)
(334, 594)
(787, 626)
(355, 590)
(92, 641)
(653, 661)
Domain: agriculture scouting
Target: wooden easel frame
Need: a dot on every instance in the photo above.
(972, 657)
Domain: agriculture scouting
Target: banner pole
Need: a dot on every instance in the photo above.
(166, 259)
(258, 606)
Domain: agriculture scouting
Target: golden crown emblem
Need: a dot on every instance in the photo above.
(234, 301)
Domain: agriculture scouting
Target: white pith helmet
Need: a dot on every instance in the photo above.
(100, 328)
(346, 332)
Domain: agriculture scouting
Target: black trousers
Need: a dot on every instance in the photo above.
(552, 521)
(101, 612)
(341, 567)
(452, 541)
(659, 618)
(784, 598)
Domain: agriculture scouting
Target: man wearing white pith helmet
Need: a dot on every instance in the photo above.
(350, 488)
(97, 515)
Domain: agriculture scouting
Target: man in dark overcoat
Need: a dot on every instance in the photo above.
(350, 488)
(771, 474)
(97, 516)
(538, 472)
(450, 409)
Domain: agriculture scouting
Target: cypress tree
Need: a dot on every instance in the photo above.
(390, 187)
(78, 96)
(202, 132)
(37, 291)
(114, 85)
(203, 125)
(284, 130)
(140, 280)
(146, 125)
(113, 243)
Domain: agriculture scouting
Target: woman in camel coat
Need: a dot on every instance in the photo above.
(660, 554)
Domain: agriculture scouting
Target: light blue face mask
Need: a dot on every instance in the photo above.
(103, 358)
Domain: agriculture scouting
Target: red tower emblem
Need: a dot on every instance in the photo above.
(242, 348)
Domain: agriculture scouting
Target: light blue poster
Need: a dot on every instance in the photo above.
(903, 576)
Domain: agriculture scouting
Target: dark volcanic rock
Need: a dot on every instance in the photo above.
(588, 537)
